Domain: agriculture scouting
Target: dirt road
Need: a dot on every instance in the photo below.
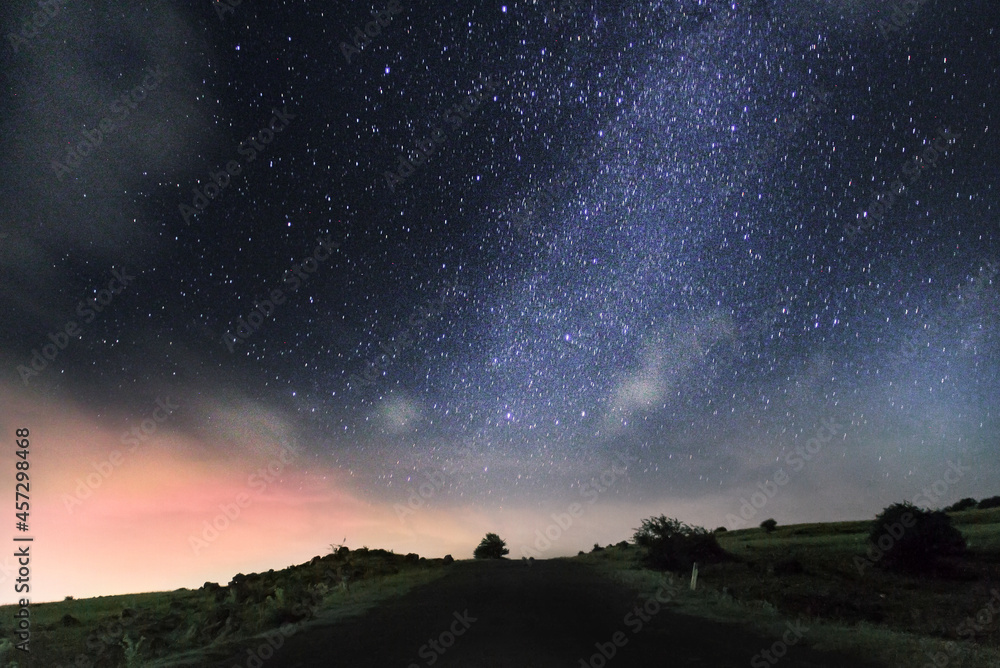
(553, 613)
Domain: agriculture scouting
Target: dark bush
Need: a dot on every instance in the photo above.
(623, 545)
(992, 502)
(412, 558)
(911, 539)
(448, 559)
(580, 553)
(343, 551)
(959, 506)
(769, 525)
(491, 547)
(720, 529)
(597, 548)
(672, 545)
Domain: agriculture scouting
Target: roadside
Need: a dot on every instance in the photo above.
(560, 612)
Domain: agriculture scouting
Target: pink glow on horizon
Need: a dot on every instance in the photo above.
(104, 529)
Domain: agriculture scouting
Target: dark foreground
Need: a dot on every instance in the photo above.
(549, 614)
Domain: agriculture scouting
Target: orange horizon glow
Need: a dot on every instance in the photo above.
(110, 520)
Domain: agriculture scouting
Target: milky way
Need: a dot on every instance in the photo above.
(511, 242)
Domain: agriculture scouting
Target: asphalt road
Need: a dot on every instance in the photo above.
(553, 613)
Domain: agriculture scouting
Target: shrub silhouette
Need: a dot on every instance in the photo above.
(959, 506)
(918, 538)
(769, 525)
(992, 502)
(720, 529)
(491, 547)
(672, 545)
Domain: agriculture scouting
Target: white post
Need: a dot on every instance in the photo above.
(694, 576)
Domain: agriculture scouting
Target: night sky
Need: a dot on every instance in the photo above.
(264, 270)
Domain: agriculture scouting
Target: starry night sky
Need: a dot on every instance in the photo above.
(641, 241)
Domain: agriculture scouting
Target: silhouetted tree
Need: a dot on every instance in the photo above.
(992, 502)
(911, 539)
(959, 506)
(672, 545)
(491, 547)
(769, 525)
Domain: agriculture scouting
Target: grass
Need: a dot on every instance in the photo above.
(807, 571)
(797, 572)
(187, 627)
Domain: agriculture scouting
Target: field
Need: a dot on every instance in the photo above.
(808, 571)
(185, 627)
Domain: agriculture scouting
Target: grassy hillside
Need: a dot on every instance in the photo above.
(808, 571)
(183, 627)
(805, 572)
